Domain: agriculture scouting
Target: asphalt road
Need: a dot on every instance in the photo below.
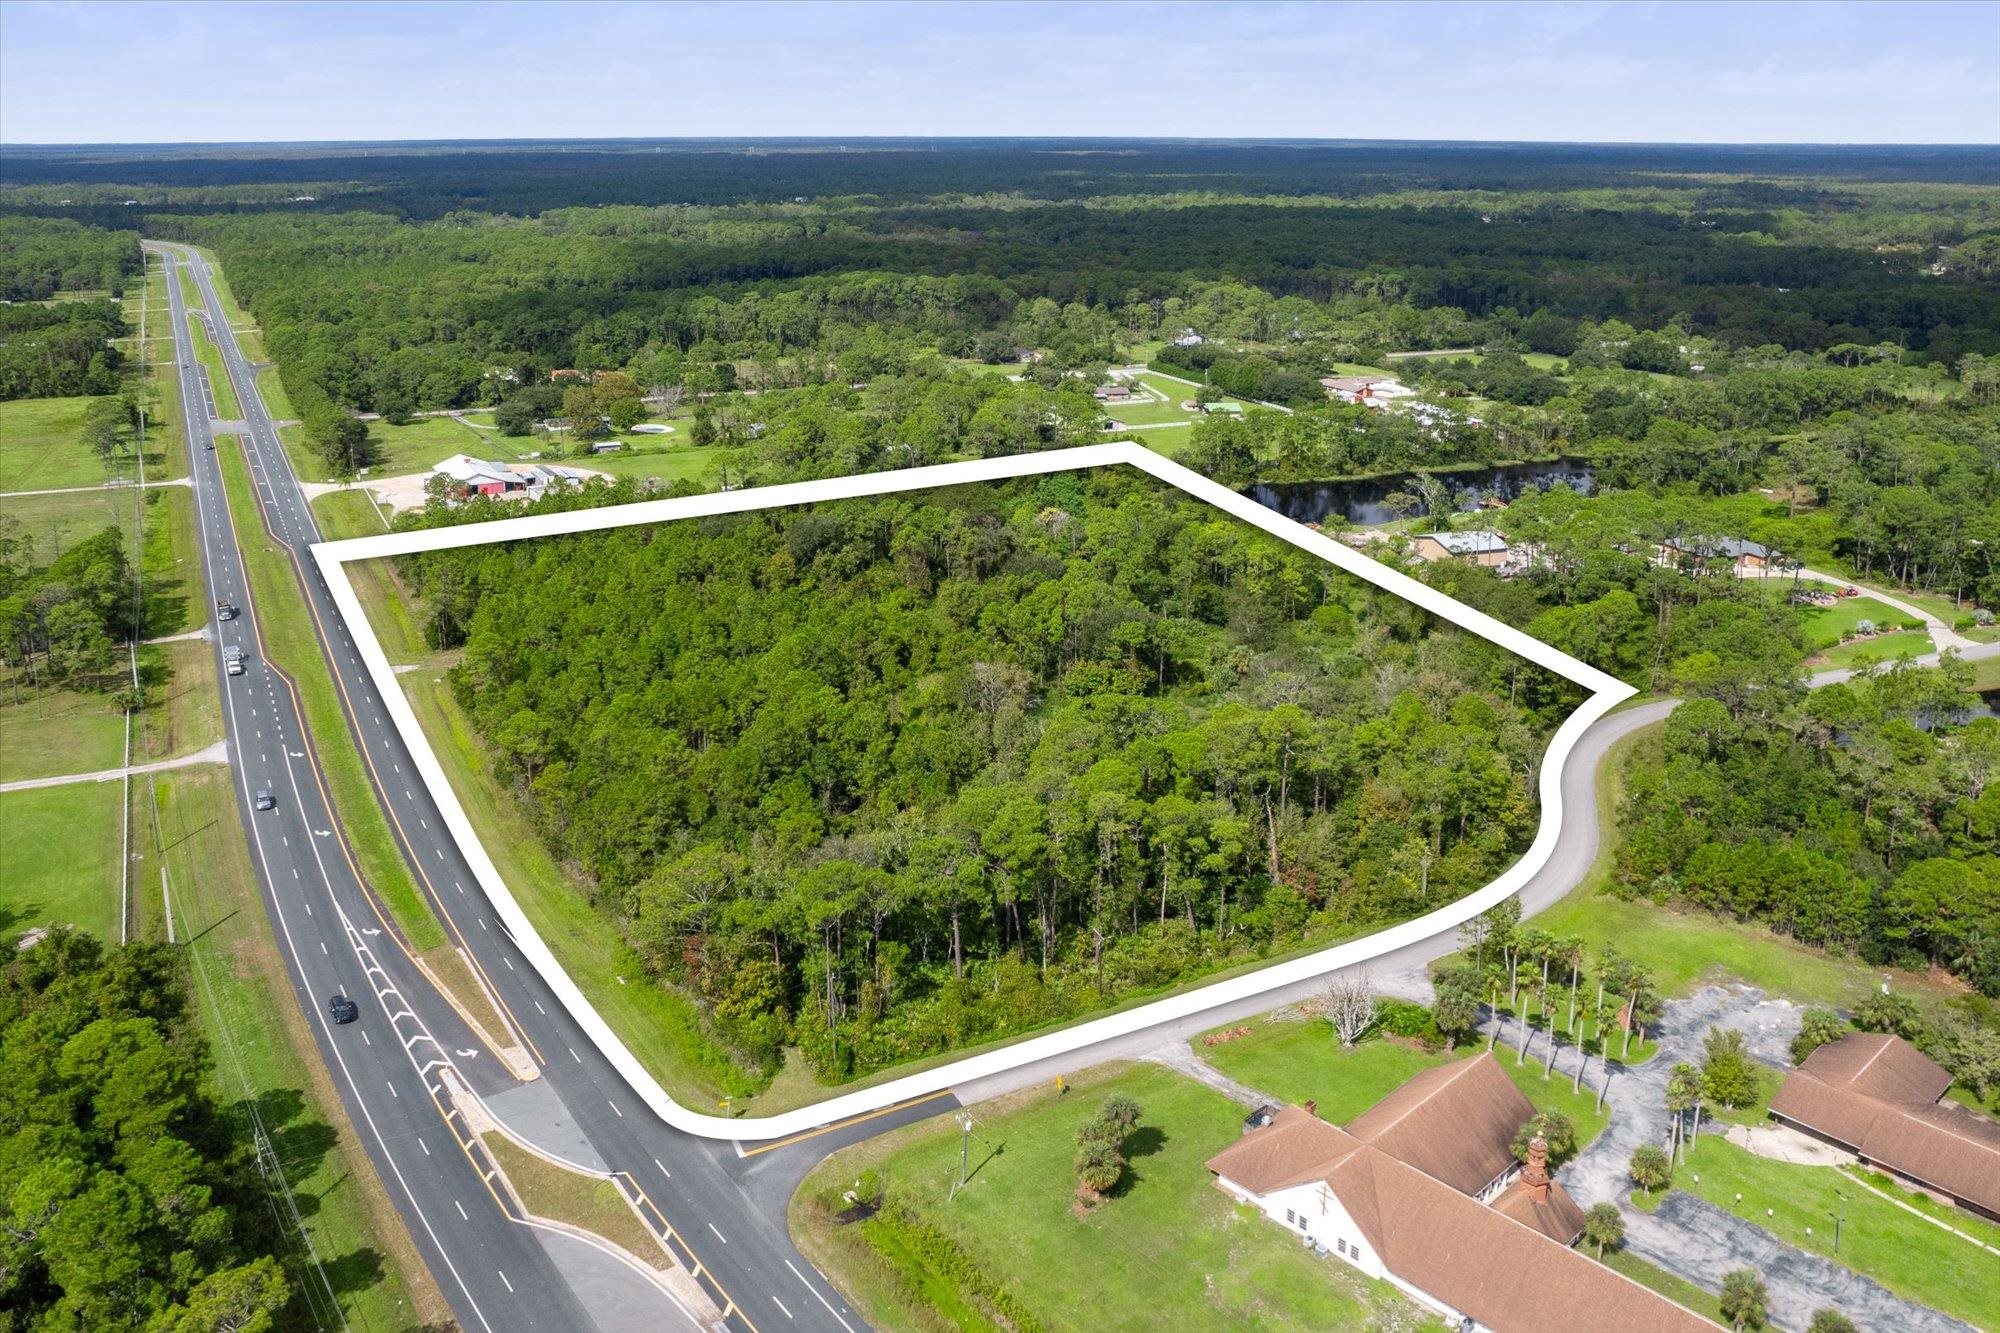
(387, 1065)
(723, 1212)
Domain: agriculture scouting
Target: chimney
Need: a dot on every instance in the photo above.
(1535, 1173)
(1312, 1108)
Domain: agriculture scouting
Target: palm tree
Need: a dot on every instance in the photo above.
(1604, 1225)
(1650, 1168)
(1570, 949)
(1744, 1299)
(1549, 1022)
(1683, 1089)
(1637, 981)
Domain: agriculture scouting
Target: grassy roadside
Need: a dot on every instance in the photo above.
(266, 1069)
(1167, 1246)
(226, 406)
(59, 858)
(289, 639)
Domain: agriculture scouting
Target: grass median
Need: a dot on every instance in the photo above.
(205, 351)
(290, 639)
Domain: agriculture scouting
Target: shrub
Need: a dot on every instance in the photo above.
(1401, 1018)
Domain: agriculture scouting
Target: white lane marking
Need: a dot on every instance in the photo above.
(573, 1055)
(392, 1089)
(508, 961)
(781, 1306)
(614, 1108)
(718, 1235)
(669, 1175)
(365, 1041)
(815, 1291)
(425, 1146)
(461, 1209)
(503, 1278)
(482, 922)
(322, 948)
(539, 1009)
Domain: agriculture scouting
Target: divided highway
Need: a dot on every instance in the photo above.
(722, 1213)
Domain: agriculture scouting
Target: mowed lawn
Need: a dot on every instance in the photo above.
(1298, 1061)
(1881, 648)
(59, 857)
(1904, 1253)
(42, 448)
(54, 523)
(1684, 948)
(1168, 1250)
(48, 732)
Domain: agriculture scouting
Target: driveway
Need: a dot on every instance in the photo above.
(1693, 1238)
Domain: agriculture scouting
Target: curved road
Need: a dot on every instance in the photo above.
(722, 1211)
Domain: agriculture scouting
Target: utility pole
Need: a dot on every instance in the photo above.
(1839, 1220)
(964, 1149)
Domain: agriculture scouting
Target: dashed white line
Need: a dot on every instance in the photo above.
(503, 1278)
(425, 1146)
(508, 961)
(670, 1175)
(539, 1009)
(718, 1235)
(461, 1209)
(781, 1306)
(392, 1089)
(614, 1108)
(573, 1055)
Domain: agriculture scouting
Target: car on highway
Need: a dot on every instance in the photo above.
(224, 610)
(343, 1009)
(232, 660)
(264, 800)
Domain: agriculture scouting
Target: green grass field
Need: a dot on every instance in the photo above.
(426, 441)
(343, 514)
(41, 446)
(1167, 1247)
(1301, 1061)
(183, 710)
(1827, 626)
(1683, 949)
(289, 638)
(59, 857)
(1905, 1254)
(264, 1058)
(49, 732)
(1881, 648)
(54, 523)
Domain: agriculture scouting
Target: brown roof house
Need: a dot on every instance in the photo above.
(1879, 1097)
(1422, 1190)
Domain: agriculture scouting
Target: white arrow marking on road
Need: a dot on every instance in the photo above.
(465, 1054)
(370, 931)
(322, 833)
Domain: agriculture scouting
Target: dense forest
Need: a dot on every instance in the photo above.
(1798, 347)
(126, 1199)
(885, 777)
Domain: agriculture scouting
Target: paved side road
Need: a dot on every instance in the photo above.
(217, 753)
(1694, 1238)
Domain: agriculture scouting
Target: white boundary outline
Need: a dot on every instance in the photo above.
(1606, 693)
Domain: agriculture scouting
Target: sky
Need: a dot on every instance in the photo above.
(218, 70)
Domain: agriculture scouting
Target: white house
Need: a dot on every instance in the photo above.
(1422, 1190)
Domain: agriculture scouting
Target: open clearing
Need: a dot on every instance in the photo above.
(59, 858)
(1166, 1241)
(41, 446)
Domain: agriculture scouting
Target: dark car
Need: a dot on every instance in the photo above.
(343, 1009)
(265, 801)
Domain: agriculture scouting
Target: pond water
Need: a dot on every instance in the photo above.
(1365, 501)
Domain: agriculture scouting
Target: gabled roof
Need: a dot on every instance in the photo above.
(1489, 1265)
(474, 471)
(1297, 1146)
(1879, 1095)
(1455, 1123)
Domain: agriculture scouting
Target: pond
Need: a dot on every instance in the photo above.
(1365, 501)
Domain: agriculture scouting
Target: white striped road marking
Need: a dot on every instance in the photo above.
(815, 1291)
(425, 1146)
(365, 1041)
(718, 1235)
(781, 1306)
(503, 1278)
(573, 1055)
(392, 1089)
(663, 1171)
(539, 1009)
(461, 1209)
(508, 961)
(614, 1108)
